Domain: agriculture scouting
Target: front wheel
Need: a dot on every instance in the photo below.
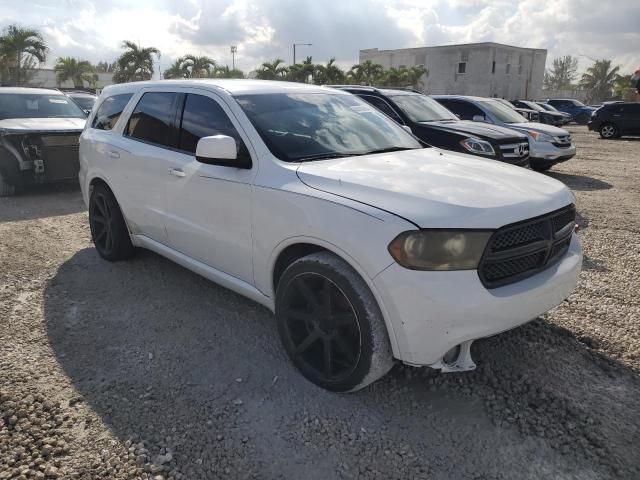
(608, 130)
(330, 324)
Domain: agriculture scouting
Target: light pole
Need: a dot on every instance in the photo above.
(294, 49)
(234, 50)
(159, 66)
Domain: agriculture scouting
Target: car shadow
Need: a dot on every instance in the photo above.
(582, 183)
(166, 357)
(40, 201)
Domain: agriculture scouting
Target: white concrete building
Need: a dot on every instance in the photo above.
(484, 69)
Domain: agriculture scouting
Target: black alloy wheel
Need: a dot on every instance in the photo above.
(322, 327)
(108, 229)
(330, 324)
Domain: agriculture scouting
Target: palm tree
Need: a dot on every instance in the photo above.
(199, 67)
(415, 74)
(135, 63)
(78, 71)
(367, 72)
(600, 78)
(623, 85)
(176, 70)
(274, 70)
(333, 74)
(226, 72)
(20, 45)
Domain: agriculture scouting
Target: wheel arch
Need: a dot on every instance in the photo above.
(293, 249)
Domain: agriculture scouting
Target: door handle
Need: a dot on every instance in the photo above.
(113, 154)
(176, 172)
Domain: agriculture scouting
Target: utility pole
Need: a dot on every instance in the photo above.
(294, 49)
(234, 50)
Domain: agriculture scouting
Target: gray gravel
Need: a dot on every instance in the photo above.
(145, 370)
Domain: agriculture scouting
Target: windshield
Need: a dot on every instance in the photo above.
(86, 103)
(501, 112)
(577, 103)
(38, 106)
(310, 126)
(547, 107)
(532, 106)
(420, 108)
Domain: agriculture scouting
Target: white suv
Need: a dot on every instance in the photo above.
(307, 200)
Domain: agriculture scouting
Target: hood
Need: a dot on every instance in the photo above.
(437, 189)
(474, 128)
(539, 127)
(42, 124)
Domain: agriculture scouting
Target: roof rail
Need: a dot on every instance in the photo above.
(406, 89)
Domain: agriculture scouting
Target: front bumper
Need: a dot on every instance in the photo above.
(432, 312)
(548, 152)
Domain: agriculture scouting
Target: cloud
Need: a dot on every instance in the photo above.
(266, 29)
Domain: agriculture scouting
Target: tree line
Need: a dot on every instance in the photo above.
(22, 49)
(601, 79)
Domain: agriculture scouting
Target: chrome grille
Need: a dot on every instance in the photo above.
(562, 141)
(515, 150)
(520, 250)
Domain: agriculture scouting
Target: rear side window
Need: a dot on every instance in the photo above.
(203, 117)
(110, 110)
(152, 119)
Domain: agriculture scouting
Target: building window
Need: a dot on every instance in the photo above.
(508, 69)
(462, 67)
(493, 67)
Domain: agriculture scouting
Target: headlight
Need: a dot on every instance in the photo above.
(439, 249)
(475, 145)
(540, 137)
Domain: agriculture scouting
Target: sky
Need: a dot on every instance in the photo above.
(266, 29)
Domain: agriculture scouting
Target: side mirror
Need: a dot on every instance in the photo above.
(407, 128)
(220, 150)
(478, 118)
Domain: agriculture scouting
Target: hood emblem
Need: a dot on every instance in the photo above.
(522, 150)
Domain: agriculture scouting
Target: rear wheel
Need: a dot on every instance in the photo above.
(330, 324)
(108, 229)
(608, 131)
(6, 189)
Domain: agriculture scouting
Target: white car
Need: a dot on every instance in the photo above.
(548, 145)
(367, 247)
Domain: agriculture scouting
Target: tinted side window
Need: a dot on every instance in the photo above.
(464, 110)
(202, 117)
(383, 106)
(110, 110)
(152, 119)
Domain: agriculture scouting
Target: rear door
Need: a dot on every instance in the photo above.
(630, 119)
(145, 152)
(209, 206)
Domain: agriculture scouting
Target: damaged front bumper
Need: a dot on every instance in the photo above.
(39, 156)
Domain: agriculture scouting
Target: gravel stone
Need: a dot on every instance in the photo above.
(130, 370)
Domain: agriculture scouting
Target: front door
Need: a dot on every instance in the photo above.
(209, 206)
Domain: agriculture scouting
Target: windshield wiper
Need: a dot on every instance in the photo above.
(387, 150)
(323, 156)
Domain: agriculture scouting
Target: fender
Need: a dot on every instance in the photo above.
(391, 331)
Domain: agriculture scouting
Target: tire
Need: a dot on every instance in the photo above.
(583, 119)
(540, 168)
(109, 231)
(349, 325)
(6, 189)
(608, 131)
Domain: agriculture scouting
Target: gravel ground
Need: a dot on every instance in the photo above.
(145, 370)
